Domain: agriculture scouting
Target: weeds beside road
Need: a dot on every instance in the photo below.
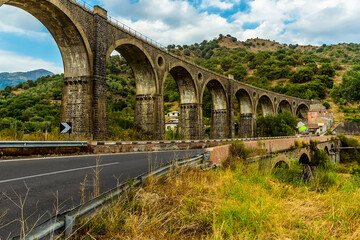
(235, 203)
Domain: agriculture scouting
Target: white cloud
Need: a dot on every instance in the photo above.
(13, 62)
(16, 21)
(223, 5)
(311, 22)
(286, 21)
(168, 21)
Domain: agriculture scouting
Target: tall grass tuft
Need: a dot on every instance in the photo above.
(238, 153)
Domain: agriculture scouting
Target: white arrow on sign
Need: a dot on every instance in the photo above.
(66, 127)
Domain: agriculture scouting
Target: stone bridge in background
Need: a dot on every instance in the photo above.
(278, 152)
(87, 37)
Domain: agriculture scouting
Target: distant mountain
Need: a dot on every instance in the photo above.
(11, 79)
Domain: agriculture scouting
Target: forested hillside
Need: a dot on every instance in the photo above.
(327, 73)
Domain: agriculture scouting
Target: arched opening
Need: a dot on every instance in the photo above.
(219, 112)
(326, 149)
(264, 109)
(284, 105)
(307, 174)
(332, 149)
(75, 94)
(281, 165)
(245, 117)
(133, 103)
(304, 159)
(171, 109)
(301, 112)
(180, 92)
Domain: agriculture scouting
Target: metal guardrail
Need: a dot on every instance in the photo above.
(84, 4)
(64, 223)
(195, 141)
(41, 144)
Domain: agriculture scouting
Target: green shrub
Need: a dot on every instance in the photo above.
(292, 174)
(238, 149)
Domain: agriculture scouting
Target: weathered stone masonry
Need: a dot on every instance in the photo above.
(86, 38)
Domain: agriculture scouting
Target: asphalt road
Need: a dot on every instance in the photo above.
(46, 185)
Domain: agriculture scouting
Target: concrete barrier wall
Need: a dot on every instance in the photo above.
(219, 154)
(10, 152)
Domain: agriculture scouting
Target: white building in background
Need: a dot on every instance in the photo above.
(171, 124)
(173, 114)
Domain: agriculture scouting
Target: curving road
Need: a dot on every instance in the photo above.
(47, 185)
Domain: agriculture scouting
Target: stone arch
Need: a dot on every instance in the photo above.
(140, 62)
(218, 93)
(267, 105)
(302, 110)
(67, 33)
(185, 82)
(189, 120)
(77, 101)
(148, 105)
(245, 100)
(219, 113)
(278, 161)
(305, 160)
(284, 105)
(246, 121)
(304, 156)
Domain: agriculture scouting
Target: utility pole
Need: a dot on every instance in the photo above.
(46, 127)
(15, 131)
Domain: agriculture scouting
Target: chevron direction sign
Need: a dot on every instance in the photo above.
(65, 127)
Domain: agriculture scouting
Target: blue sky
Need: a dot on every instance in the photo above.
(25, 44)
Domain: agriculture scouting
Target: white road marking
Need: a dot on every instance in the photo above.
(53, 173)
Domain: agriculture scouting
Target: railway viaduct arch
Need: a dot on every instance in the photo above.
(86, 38)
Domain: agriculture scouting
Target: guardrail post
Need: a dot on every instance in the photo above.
(69, 225)
(206, 156)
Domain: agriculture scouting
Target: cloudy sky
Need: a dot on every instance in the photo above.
(25, 44)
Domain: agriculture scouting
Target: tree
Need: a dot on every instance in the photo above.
(327, 69)
(303, 75)
(350, 87)
(239, 72)
(187, 52)
(335, 94)
(283, 124)
(226, 63)
(258, 59)
(356, 67)
(326, 104)
(328, 81)
(312, 66)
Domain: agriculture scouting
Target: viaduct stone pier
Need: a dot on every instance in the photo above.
(87, 37)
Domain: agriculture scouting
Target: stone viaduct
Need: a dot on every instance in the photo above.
(86, 38)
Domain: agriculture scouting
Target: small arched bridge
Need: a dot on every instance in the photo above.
(87, 37)
(301, 152)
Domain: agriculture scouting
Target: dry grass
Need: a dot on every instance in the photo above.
(231, 204)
